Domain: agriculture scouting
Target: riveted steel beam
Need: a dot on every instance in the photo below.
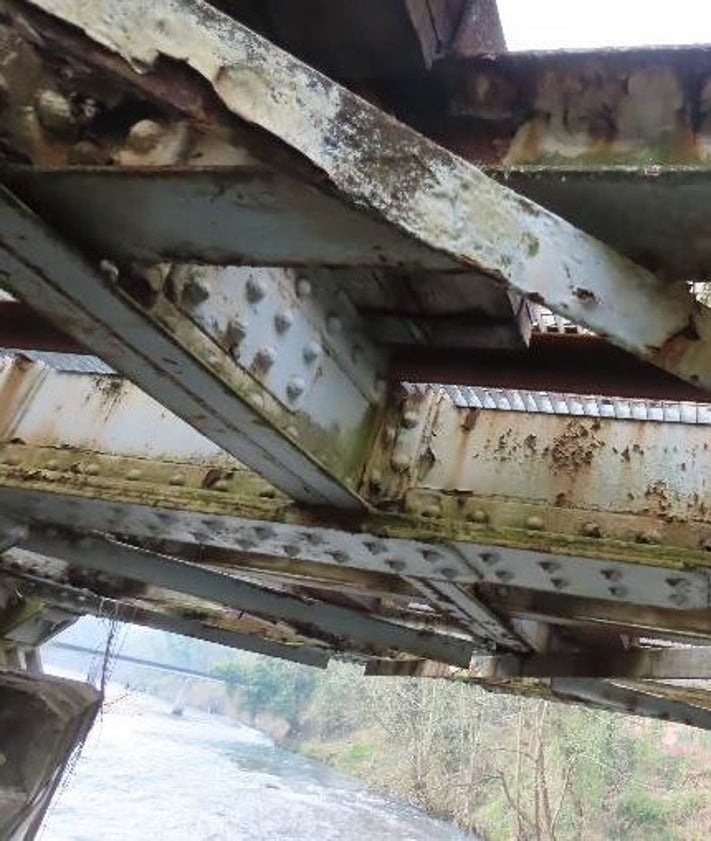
(601, 478)
(688, 626)
(84, 602)
(469, 611)
(639, 107)
(634, 663)
(128, 467)
(287, 382)
(379, 165)
(323, 619)
(651, 700)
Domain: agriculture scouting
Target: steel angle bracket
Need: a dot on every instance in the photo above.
(377, 164)
(171, 356)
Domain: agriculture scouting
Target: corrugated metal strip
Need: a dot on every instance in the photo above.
(576, 405)
(67, 362)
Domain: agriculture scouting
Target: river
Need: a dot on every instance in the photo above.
(145, 775)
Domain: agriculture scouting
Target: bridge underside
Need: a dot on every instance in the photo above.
(283, 371)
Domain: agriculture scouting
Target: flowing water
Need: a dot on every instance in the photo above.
(145, 775)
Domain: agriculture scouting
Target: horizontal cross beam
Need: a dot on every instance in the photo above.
(635, 663)
(415, 186)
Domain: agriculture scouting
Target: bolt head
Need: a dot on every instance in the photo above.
(295, 388)
(265, 357)
(54, 112)
(312, 352)
(144, 136)
(235, 333)
(334, 324)
(255, 289)
(283, 321)
(591, 530)
(194, 293)
(400, 463)
(410, 419)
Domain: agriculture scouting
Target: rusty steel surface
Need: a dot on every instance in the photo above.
(401, 529)
(418, 188)
(557, 363)
(140, 330)
(575, 475)
(638, 106)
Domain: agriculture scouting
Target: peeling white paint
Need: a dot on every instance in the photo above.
(412, 183)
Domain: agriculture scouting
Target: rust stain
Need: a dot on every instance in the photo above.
(574, 449)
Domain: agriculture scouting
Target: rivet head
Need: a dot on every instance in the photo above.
(303, 287)
(679, 584)
(448, 572)
(235, 333)
(400, 463)
(312, 352)
(535, 524)
(291, 550)
(375, 547)
(560, 583)
(396, 565)
(265, 532)
(591, 530)
(431, 556)
(92, 469)
(478, 516)
(265, 357)
(255, 289)
(489, 558)
(549, 566)
(295, 388)
(194, 293)
(618, 591)
(334, 324)
(338, 556)
(52, 464)
(54, 112)
(177, 479)
(134, 475)
(221, 485)
(648, 537)
(612, 574)
(283, 321)
(144, 136)
(706, 544)
(504, 575)
(12, 461)
(410, 419)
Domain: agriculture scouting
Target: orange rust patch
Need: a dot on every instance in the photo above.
(574, 448)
